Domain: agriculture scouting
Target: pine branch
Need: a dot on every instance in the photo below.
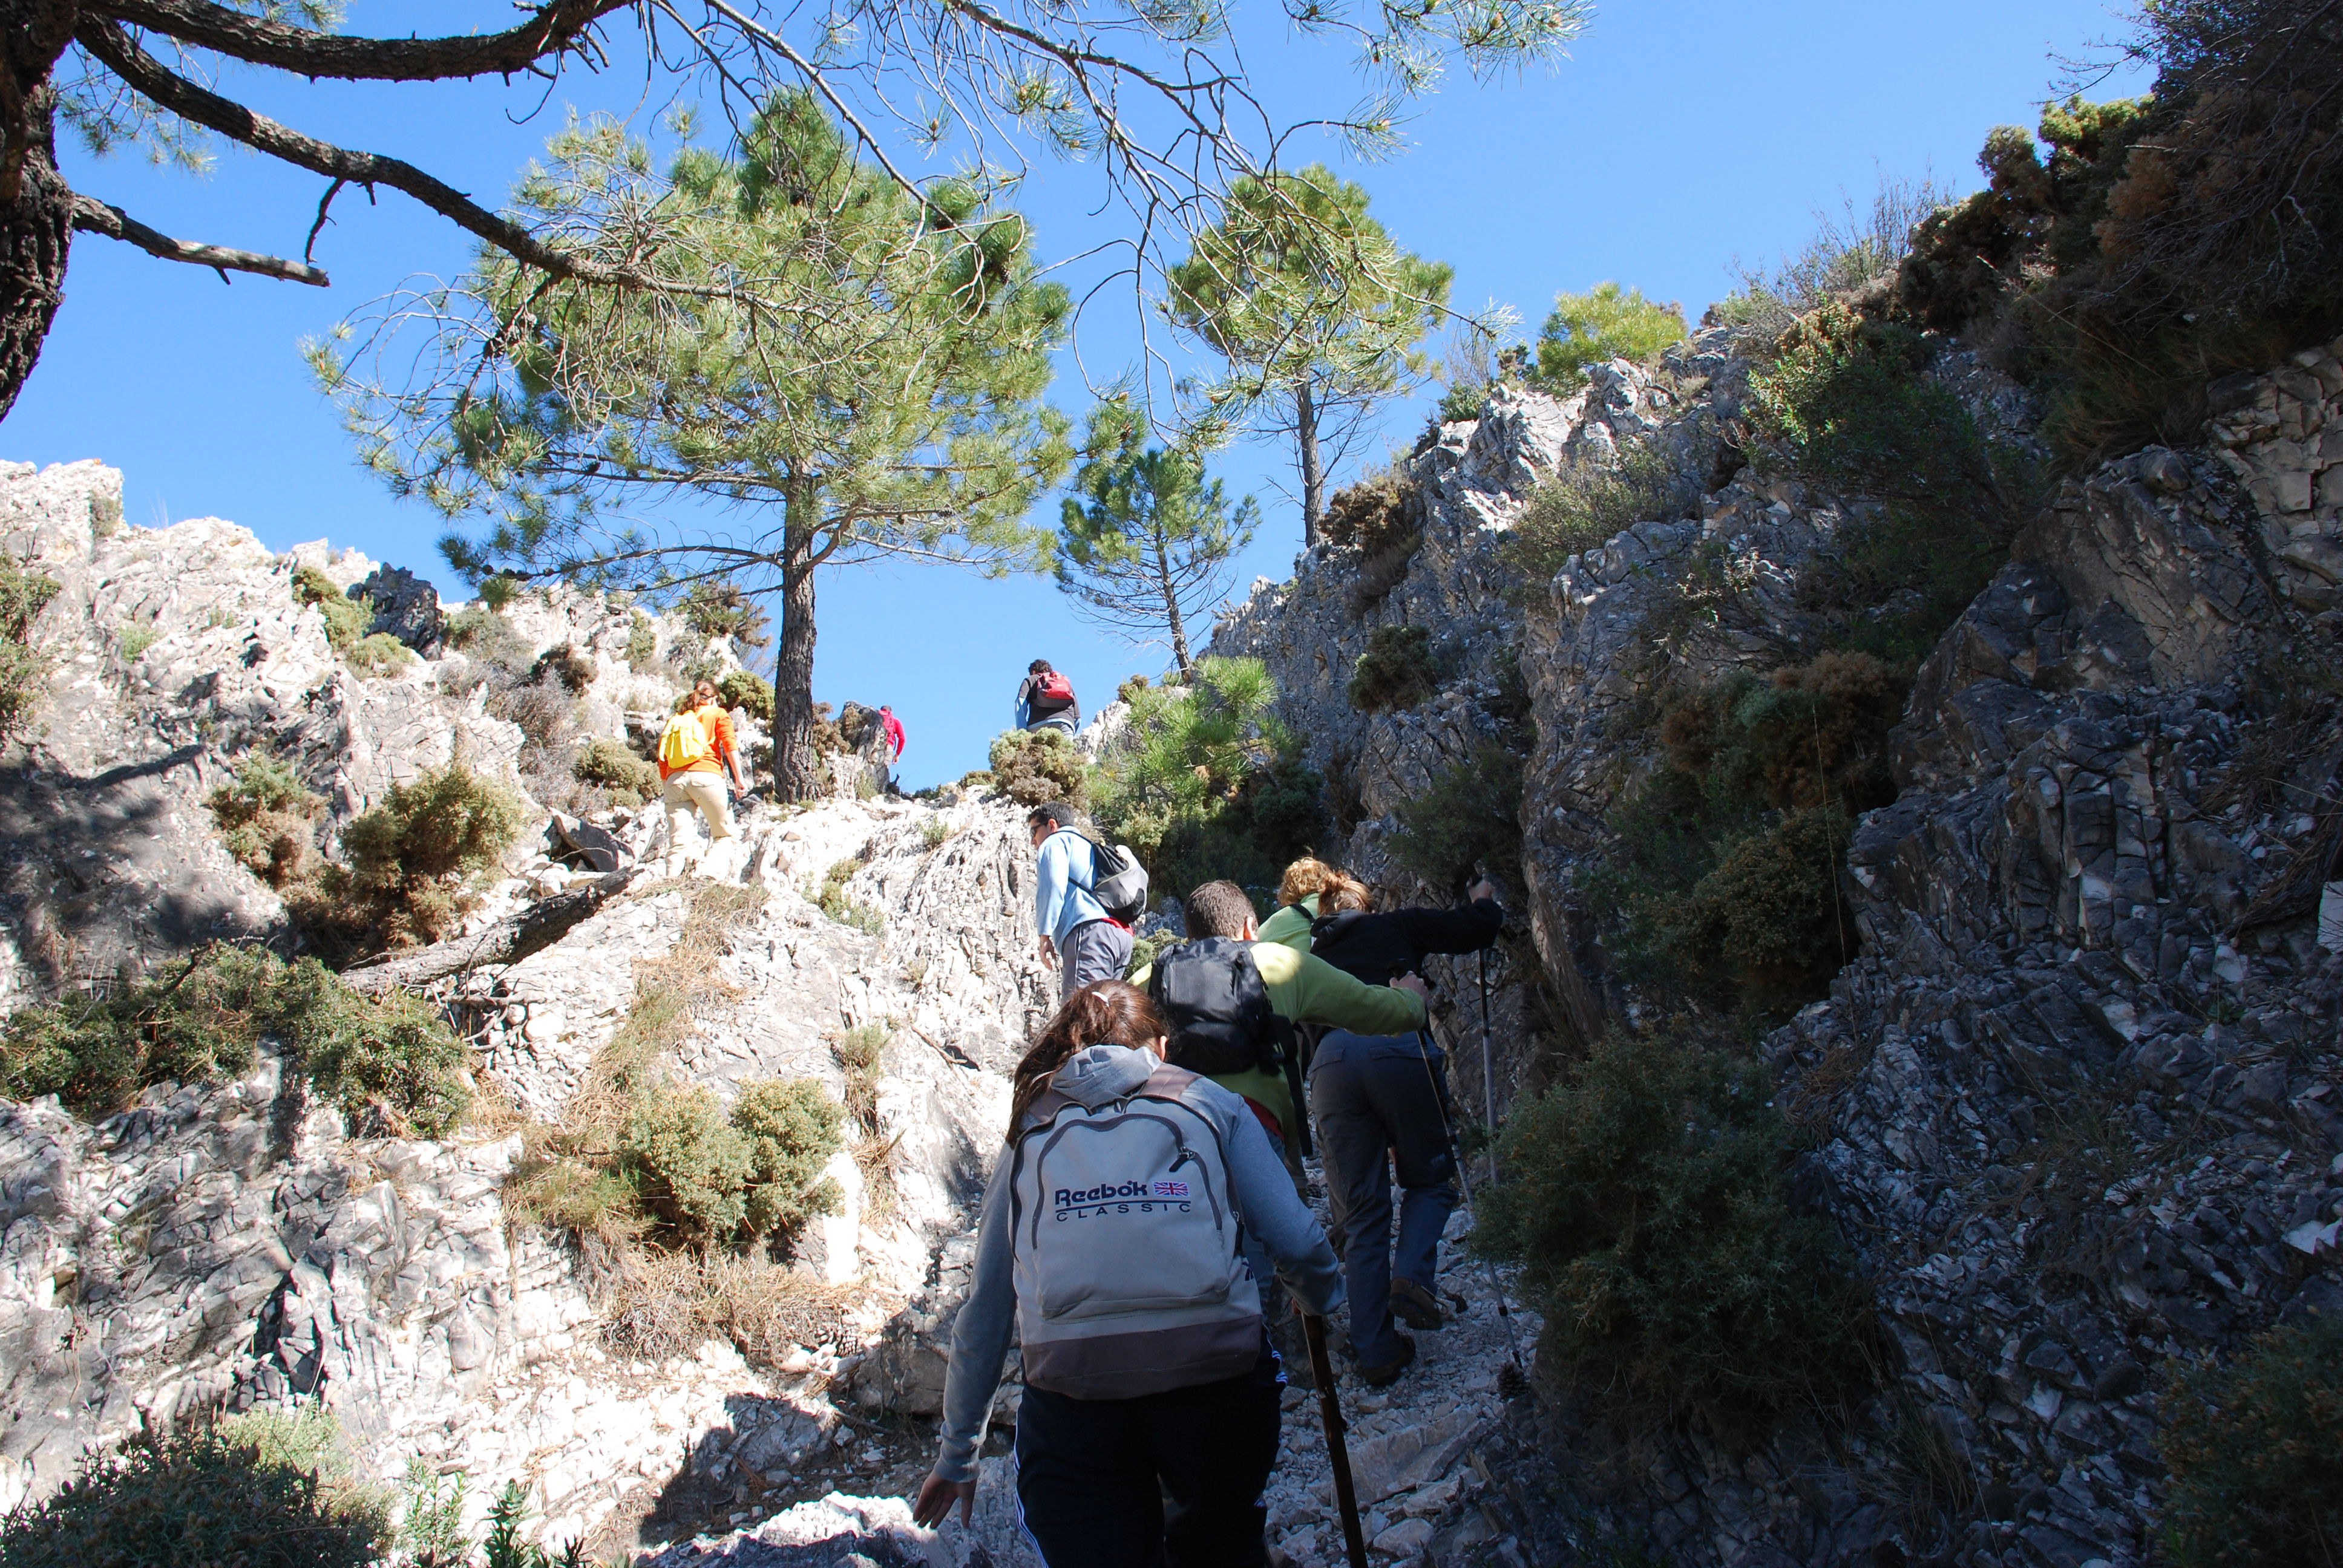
(94, 216)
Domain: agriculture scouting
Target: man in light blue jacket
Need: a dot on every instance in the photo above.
(1077, 933)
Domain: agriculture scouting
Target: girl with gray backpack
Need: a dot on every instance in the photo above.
(1112, 1242)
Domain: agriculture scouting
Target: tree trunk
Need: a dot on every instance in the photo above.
(797, 765)
(36, 203)
(1313, 474)
(1172, 611)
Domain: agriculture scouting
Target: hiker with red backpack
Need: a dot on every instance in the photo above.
(1087, 893)
(695, 752)
(1110, 1241)
(1046, 700)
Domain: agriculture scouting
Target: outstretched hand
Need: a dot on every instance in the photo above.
(936, 1498)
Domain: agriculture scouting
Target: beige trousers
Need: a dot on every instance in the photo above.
(683, 791)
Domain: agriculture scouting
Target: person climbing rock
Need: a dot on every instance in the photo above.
(1380, 1104)
(1147, 1434)
(892, 728)
(695, 753)
(1045, 700)
(1079, 932)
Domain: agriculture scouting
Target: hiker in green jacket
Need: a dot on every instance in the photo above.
(1302, 989)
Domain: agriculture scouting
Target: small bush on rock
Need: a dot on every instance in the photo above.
(1035, 767)
(2255, 1450)
(642, 643)
(1396, 670)
(268, 819)
(1584, 507)
(204, 1495)
(719, 1178)
(1643, 1196)
(1471, 818)
(479, 632)
(792, 1129)
(390, 1065)
(1382, 515)
(378, 655)
(843, 907)
(613, 765)
(718, 608)
(414, 859)
(345, 618)
(24, 672)
(572, 665)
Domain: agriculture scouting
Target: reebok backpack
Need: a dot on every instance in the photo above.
(1128, 1277)
(1215, 1007)
(1118, 882)
(685, 740)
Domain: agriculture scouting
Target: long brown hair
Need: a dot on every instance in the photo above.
(1103, 1012)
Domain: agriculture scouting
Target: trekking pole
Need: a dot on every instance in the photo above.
(1338, 1455)
(1488, 1068)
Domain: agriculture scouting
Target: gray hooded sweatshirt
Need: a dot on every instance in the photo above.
(1265, 1203)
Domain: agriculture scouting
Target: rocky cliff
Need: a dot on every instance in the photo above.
(2075, 1101)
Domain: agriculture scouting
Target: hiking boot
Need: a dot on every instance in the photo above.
(1388, 1373)
(1415, 1306)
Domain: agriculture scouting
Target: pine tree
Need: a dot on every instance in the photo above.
(1145, 541)
(856, 372)
(1318, 312)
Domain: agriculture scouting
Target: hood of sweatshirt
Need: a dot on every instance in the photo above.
(1099, 1075)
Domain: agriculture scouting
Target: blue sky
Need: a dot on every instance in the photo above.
(1680, 135)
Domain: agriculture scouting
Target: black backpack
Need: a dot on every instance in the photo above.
(1215, 1007)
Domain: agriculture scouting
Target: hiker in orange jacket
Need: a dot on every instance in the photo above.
(694, 756)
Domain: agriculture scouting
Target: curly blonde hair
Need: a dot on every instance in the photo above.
(1304, 877)
(1343, 892)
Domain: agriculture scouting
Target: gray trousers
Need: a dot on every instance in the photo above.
(1093, 950)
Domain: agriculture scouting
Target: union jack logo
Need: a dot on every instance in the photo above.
(1170, 1189)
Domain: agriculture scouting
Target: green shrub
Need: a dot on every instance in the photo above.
(1723, 872)
(1131, 688)
(1644, 1197)
(197, 1496)
(390, 1065)
(614, 764)
(1470, 819)
(268, 817)
(1212, 783)
(378, 655)
(1848, 404)
(719, 1179)
(742, 689)
(499, 589)
(137, 641)
(835, 901)
(479, 632)
(1582, 507)
(793, 1128)
(574, 666)
(688, 1162)
(1382, 515)
(1605, 323)
(2255, 1447)
(414, 859)
(642, 642)
(1396, 670)
(24, 670)
(346, 620)
(1035, 767)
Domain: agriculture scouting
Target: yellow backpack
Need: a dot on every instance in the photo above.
(686, 741)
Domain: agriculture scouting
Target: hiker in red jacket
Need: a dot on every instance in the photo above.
(893, 728)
